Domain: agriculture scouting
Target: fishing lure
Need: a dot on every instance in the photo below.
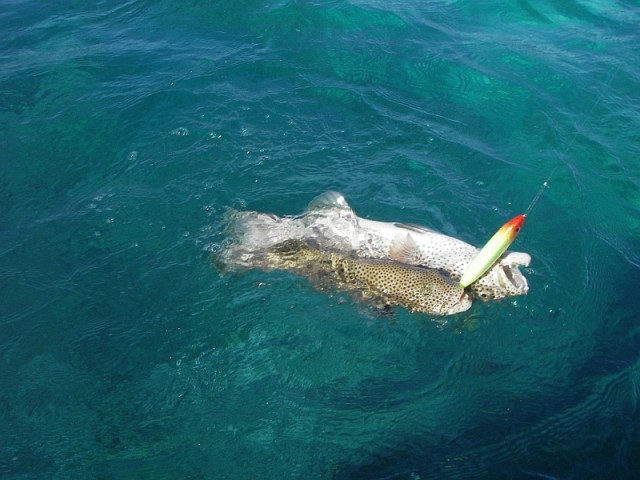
(495, 247)
(499, 243)
(501, 240)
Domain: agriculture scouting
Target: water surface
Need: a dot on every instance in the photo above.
(130, 128)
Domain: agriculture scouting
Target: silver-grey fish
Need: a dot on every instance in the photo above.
(330, 223)
(415, 288)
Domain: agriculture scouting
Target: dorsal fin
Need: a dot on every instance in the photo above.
(328, 199)
(402, 248)
(414, 228)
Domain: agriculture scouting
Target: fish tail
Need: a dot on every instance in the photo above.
(259, 231)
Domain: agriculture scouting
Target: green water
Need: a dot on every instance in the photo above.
(130, 128)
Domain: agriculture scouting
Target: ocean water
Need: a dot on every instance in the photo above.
(129, 128)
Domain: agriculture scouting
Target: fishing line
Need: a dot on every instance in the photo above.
(537, 197)
(504, 237)
(610, 76)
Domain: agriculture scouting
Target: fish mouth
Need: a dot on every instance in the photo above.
(462, 305)
(509, 275)
(503, 281)
(516, 280)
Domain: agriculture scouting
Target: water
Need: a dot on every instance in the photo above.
(129, 128)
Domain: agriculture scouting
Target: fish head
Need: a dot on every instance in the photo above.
(444, 296)
(500, 282)
(458, 304)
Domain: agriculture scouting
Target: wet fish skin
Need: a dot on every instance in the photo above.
(415, 288)
(330, 223)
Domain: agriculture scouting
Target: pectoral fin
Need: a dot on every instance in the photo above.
(403, 248)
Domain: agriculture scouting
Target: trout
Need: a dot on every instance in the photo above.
(395, 284)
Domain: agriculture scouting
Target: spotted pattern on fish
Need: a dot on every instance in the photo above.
(415, 288)
(501, 281)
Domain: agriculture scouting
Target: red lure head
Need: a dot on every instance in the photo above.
(513, 226)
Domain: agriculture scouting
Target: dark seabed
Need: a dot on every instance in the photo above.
(130, 128)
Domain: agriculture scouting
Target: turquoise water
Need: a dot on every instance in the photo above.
(129, 129)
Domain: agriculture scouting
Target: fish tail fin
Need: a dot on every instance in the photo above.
(249, 233)
(250, 228)
(246, 235)
(328, 200)
(291, 254)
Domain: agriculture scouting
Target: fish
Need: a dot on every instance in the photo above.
(379, 281)
(330, 223)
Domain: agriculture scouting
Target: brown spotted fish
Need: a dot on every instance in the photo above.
(392, 283)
